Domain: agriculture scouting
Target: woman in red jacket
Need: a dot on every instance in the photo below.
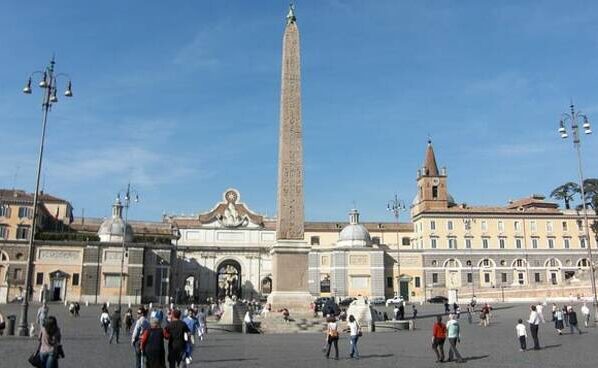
(439, 334)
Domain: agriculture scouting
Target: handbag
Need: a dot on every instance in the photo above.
(34, 359)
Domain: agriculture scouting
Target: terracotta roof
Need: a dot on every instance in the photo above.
(17, 195)
(92, 225)
(431, 169)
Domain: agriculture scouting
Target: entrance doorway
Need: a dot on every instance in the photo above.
(404, 289)
(58, 285)
(228, 282)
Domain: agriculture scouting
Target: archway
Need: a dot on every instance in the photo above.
(228, 281)
(487, 268)
(452, 268)
(553, 270)
(190, 288)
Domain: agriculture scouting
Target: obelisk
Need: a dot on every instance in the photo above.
(290, 253)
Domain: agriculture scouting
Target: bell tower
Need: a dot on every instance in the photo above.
(432, 192)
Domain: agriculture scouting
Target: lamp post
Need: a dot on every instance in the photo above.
(176, 234)
(127, 203)
(48, 82)
(395, 206)
(573, 119)
(467, 223)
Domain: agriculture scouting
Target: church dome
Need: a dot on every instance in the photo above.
(111, 230)
(354, 235)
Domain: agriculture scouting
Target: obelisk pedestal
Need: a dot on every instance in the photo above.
(289, 254)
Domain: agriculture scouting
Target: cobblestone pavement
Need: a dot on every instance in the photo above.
(494, 346)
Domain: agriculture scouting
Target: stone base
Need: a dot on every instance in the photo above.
(294, 301)
(364, 313)
(233, 313)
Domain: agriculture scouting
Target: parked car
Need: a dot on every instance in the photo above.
(377, 300)
(320, 302)
(395, 300)
(439, 299)
(346, 302)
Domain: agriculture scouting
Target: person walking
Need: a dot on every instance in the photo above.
(50, 348)
(42, 314)
(534, 323)
(396, 312)
(401, 311)
(202, 328)
(485, 316)
(585, 312)
(152, 345)
(158, 314)
(193, 325)
(454, 337)
(469, 316)
(558, 320)
(439, 335)
(566, 315)
(332, 337)
(129, 320)
(177, 334)
(115, 323)
(572, 319)
(539, 308)
(105, 321)
(521, 333)
(355, 333)
(140, 326)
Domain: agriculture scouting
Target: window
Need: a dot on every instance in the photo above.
(39, 278)
(389, 283)
(535, 243)
(452, 243)
(25, 212)
(533, 226)
(579, 225)
(501, 226)
(434, 263)
(406, 241)
(484, 225)
(552, 262)
(582, 242)
(449, 225)
(112, 280)
(549, 227)
(583, 263)
(521, 278)
(417, 282)
(519, 263)
(566, 242)
(537, 277)
(360, 282)
(4, 210)
(564, 225)
(149, 281)
(469, 277)
(551, 243)
(3, 232)
(486, 262)
(376, 240)
(434, 192)
(315, 240)
(433, 243)
(486, 277)
(468, 243)
(75, 279)
(517, 225)
(432, 225)
(501, 242)
(434, 278)
(503, 278)
(518, 243)
(17, 274)
(485, 243)
(23, 232)
(468, 263)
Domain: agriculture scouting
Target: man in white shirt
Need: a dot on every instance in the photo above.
(585, 311)
(534, 322)
(521, 334)
(539, 308)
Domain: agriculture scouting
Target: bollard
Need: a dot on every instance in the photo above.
(10, 325)
(87, 303)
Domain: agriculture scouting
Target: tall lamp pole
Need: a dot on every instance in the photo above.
(48, 83)
(574, 118)
(127, 203)
(395, 206)
(176, 234)
(467, 223)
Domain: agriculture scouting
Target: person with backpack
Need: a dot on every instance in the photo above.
(177, 334)
(105, 321)
(355, 333)
(50, 348)
(332, 337)
(152, 346)
(439, 335)
(140, 326)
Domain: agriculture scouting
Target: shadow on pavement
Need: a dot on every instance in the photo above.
(376, 356)
(467, 359)
(226, 360)
(551, 346)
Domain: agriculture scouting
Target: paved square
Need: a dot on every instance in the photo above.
(494, 346)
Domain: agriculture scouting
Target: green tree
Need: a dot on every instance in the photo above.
(566, 193)
(590, 187)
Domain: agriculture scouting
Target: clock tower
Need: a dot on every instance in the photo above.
(432, 192)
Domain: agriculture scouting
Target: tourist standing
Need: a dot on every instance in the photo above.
(469, 316)
(521, 332)
(454, 336)
(566, 315)
(485, 315)
(332, 337)
(202, 329)
(129, 320)
(572, 319)
(439, 335)
(140, 326)
(447, 308)
(558, 320)
(177, 334)
(414, 310)
(401, 311)
(115, 323)
(585, 312)
(105, 321)
(539, 308)
(396, 312)
(355, 332)
(193, 325)
(554, 308)
(42, 314)
(50, 349)
(534, 323)
(152, 346)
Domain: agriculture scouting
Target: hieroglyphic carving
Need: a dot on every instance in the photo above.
(290, 159)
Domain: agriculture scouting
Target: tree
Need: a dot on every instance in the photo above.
(565, 193)
(590, 187)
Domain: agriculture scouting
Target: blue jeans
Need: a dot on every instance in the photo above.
(354, 351)
(49, 360)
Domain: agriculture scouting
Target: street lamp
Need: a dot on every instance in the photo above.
(176, 234)
(467, 223)
(127, 203)
(396, 206)
(573, 119)
(48, 82)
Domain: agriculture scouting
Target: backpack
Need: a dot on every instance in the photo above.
(332, 332)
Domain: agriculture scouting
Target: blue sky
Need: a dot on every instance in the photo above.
(182, 97)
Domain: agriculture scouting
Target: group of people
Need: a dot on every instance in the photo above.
(332, 336)
(440, 333)
(560, 316)
(567, 317)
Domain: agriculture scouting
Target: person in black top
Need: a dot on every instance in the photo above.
(152, 345)
(115, 323)
(177, 334)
